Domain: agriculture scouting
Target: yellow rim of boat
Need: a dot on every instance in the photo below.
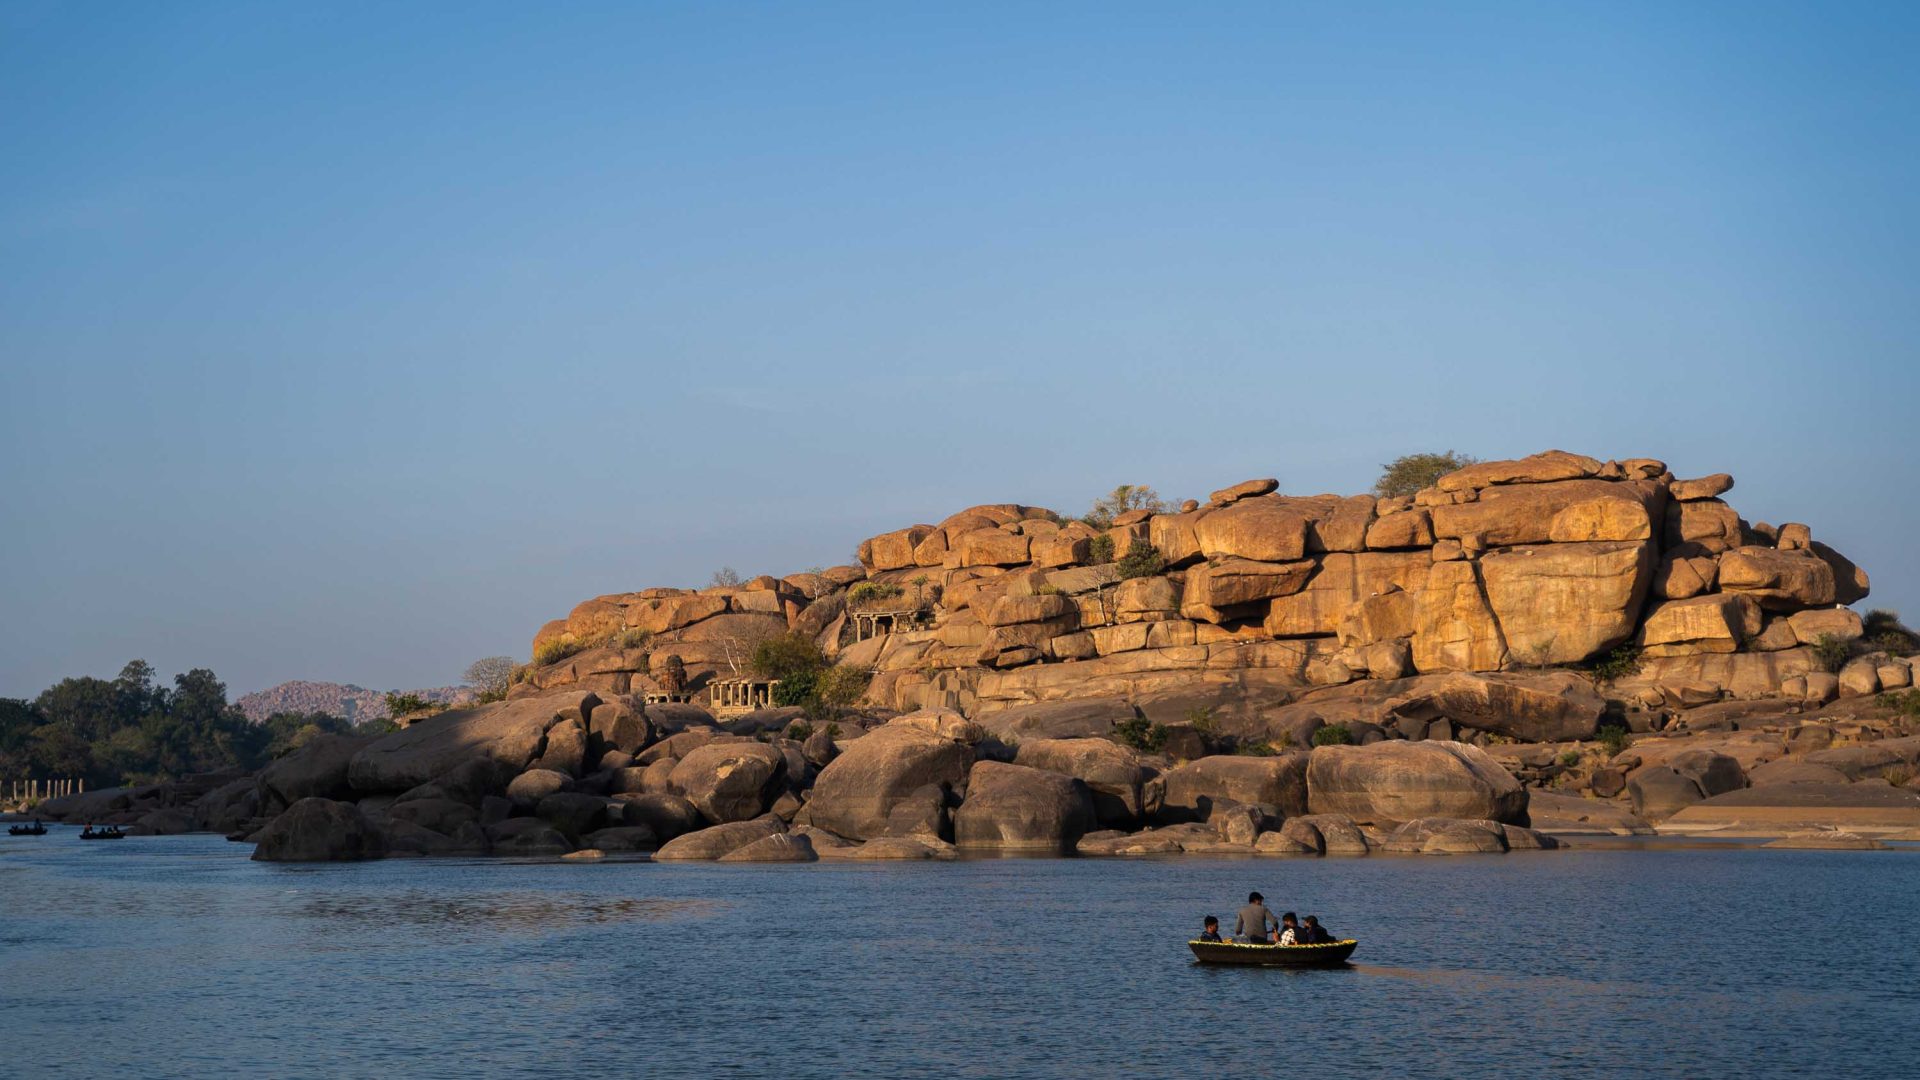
(1270, 945)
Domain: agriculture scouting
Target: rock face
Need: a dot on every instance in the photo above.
(1016, 808)
(1393, 782)
(512, 733)
(316, 770)
(319, 830)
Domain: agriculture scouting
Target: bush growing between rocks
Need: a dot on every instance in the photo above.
(1569, 758)
(1897, 775)
(872, 592)
(1409, 473)
(1623, 661)
(1333, 735)
(1201, 719)
(796, 689)
(839, 688)
(1141, 560)
(787, 656)
(1882, 629)
(1832, 653)
(1904, 702)
(1100, 550)
(1139, 733)
(799, 731)
(558, 649)
(632, 638)
(399, 705)
(1613, 738)
(1257, 749)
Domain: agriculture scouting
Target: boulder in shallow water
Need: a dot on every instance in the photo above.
(526, 836)
(855, 794)
(1447, 836)
(1015, 808)
(1660, 792)
(319, 830)
(1387, 783)
(621, 838)
(780, 847)
(1279, 782)
(720, 840)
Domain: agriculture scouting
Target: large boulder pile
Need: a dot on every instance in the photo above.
(1264, 600)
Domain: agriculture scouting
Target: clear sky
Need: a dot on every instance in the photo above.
(353, 341)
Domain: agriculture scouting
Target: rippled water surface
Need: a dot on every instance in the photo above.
(179, 957)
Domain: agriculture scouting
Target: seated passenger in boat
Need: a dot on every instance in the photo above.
(1210, 929)
(1312, 933)
(1289, 930)
(1255, 924)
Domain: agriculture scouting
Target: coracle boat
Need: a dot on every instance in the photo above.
(109, 833)
(1331, 954)
(35, 829)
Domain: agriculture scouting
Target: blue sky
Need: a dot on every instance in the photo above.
(354, 341)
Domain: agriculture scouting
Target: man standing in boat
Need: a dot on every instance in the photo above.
(1255, 925)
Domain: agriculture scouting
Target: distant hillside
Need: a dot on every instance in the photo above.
(355, 703)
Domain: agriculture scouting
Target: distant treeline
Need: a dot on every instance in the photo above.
(129, 731)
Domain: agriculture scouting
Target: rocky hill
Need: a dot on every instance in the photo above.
(1250, 603)
(345, 700)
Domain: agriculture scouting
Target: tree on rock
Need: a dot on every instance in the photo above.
(1409, 473)
(1125, 498)
(490, 677)
(724, 578)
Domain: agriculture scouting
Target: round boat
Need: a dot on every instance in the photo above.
(1232, 952)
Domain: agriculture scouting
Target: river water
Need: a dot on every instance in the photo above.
(178, 957)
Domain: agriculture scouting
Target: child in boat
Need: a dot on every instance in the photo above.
(1312, 933)
(1289, 930)
(1210, 929)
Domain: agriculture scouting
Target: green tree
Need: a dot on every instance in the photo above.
(1409, 473)
(1141, 560)
(787, 656)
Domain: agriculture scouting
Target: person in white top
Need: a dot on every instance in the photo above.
(1289, 930)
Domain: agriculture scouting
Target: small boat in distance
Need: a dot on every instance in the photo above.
(110, 832)
(1330, 954)
(35, 829)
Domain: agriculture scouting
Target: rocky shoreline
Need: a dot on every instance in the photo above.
(1529, 649)
(569, 773)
